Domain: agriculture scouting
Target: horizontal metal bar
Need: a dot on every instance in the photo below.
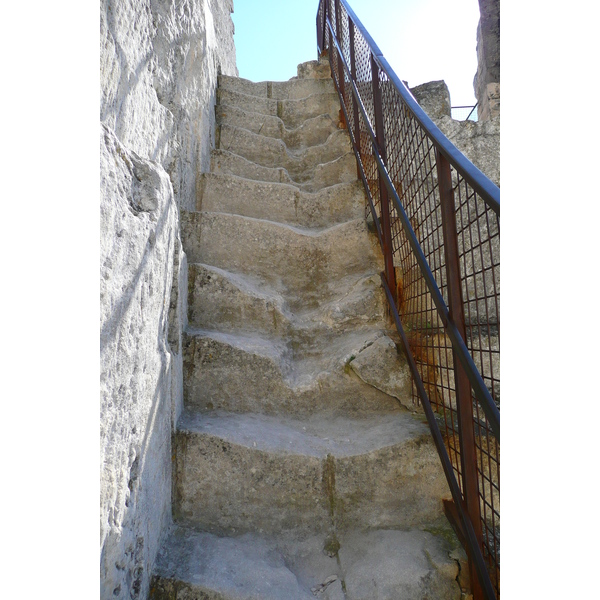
(472, 111)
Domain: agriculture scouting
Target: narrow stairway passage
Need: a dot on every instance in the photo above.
(293, 478)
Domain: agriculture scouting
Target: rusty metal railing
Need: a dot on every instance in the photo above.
(438, 221)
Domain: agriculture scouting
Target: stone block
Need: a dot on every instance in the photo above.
(382, 366)
(247, 472)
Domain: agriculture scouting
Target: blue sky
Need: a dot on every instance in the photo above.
(423, 40)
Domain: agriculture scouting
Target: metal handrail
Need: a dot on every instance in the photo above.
(446, 157)
(471, 106)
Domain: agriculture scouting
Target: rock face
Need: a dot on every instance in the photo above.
(138, 235)
(159, 64)
(487, 79)
(434, 98)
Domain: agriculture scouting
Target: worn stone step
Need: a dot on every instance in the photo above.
(271, 152)
(311, 132)
(293, 441)
(249, 472)
(292, 112)
(302, 264)
(298, 375)
(283, 203)
(229, 302)
(293, 89)
(382, 565)
(341, 170)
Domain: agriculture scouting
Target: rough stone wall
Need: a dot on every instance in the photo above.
(479, 141)
(487, 79)
(159, 61)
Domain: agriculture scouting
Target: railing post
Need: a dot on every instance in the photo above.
(320, 41)
(354, 103)
(464, 403)
(388, 257)
(325, 9)
(338, 31)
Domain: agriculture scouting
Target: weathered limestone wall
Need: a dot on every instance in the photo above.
(159, 66)
(159, 63)
(487, 79)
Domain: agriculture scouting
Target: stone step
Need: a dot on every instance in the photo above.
(311, 132)
(282, 203)
(252, 472)
(220, 300)
(293, 89)
(228, 302)
(292, 112)
(382, 565)
(304, 265)
(293, 441)
(241, 372)
(271, 152)
(341, 170)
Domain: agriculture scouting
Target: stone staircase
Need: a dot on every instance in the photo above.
(294, 478)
